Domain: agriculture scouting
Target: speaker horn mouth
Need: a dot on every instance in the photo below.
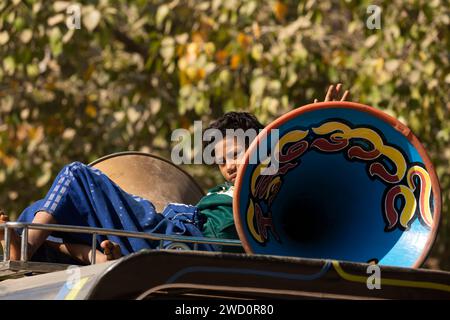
(351, 183)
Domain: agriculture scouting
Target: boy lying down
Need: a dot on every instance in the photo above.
(84, 196)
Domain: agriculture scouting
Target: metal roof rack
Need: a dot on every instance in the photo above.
(11, 269)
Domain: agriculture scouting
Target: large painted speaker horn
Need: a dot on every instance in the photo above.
(344, 181)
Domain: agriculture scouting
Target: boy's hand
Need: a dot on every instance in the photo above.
(333, 94)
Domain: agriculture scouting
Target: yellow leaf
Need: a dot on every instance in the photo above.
(26, 35)
(201, 73)
(54, 20)
(68, 134)
(36, 133)
(185, 123)
(13, 195)
(198, 37)
(235, 61)
(88, 73)
(257, 51)
(180, 50)
(184, 80)
(22, 131)
(209, 48)
(4, 37)
(243, 39)
(256, 30)
(91, 17)
(221, 56)
(9, 161)
(91, 111)
(379, 63)
(280, 10)
(45, 177)
(370, 41)
(191, 72)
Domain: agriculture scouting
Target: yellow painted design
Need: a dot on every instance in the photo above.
(250, 215)
(257, 172)
(274, 185)
(425, 192)
(345, 132)
(391, 282)
(76, 289)
(338, 131)
(410, 206)
(290, 137)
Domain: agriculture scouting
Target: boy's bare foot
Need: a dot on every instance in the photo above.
(3, 219)
(111, 250)
(15, 240)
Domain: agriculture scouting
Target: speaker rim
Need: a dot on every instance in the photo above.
(395, 123)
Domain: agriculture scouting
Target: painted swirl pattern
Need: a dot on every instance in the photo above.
(408, 185)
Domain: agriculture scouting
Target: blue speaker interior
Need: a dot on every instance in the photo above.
(334, 203)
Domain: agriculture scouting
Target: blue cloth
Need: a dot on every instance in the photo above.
(84, 196)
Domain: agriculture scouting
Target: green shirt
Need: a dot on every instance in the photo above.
(217, 208)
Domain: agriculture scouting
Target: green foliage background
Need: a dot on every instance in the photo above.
(136, 70)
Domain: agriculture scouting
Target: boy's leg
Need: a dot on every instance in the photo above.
(35, 237)
(83, 253)
(14, 249)
(84, 196)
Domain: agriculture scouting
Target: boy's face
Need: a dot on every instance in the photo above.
(229, 157)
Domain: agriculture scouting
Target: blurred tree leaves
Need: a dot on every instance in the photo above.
(136, 70)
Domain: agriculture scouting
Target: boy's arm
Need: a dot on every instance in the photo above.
(218, 223)
(220, 226)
